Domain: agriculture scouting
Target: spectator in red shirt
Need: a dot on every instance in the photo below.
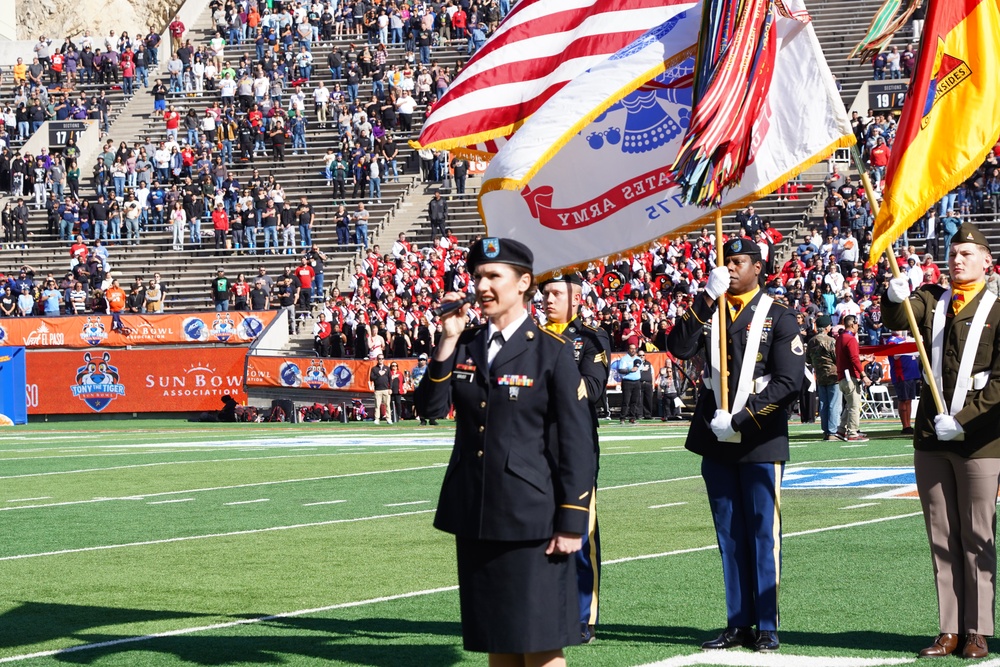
(852, 377)
(220, 222)
(304, 275)
(879, 158)
(173, 122)
(116, 304)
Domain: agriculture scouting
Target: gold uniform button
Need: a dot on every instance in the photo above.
(483, 404)
(479, 453)
(482, 428)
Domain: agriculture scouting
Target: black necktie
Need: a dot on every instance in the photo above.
(497, 338)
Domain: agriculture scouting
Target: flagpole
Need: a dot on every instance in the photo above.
(925, 359)
(723, 363)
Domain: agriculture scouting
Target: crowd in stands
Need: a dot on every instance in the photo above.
(184, 182)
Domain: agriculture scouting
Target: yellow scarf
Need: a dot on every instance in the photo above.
(555, 327)
(738, 301)
(961, 295)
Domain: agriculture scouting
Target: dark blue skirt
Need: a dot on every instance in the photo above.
(514, 598)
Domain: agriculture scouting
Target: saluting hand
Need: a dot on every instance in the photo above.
(564, 544)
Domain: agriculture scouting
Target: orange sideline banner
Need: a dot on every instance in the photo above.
(104, 381)
(233, 327)
(351, 375)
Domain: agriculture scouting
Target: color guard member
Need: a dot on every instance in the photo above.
(744, 449)
(561, 298)
(957, 455)
(517, 490)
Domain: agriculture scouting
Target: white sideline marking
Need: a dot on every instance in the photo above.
(188, 538)
(716, 657)
(774, 660)
(190, 462)
(656, 507)
(164, 502)
(412, 502)
(811, 531)
(857, 507)
(229, 624)
(303, 449)
(95, 455)
(225, 488)
(787, 465)
(851, 446)
(655, 481)
(28, 500)
(324, 502)
(249, 502)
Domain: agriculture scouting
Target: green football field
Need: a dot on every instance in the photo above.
(168, 543)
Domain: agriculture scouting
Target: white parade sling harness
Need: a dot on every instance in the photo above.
(747, 381)
(965, 379)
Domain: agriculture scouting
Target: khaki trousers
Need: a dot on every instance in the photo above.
(383, 397)
(850, 417)
(959, 498)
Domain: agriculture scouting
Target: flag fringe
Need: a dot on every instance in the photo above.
(465, 143)
(844, 141)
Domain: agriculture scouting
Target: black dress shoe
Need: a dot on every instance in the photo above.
(730, 638)
(767, 640)
(587, 633)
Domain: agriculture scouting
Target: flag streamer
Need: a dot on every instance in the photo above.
(735, 65)
(883, 28)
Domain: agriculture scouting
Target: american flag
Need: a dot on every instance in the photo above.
(540, 46)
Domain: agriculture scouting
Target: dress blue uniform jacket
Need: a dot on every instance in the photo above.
(763, 423)
(512, 476)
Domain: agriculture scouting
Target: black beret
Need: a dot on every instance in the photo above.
(572, 277)
(502, 251)
(969, 233)
(741, 246)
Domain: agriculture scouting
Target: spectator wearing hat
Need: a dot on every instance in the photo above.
(221, 289)
(821, 354)
(743, 448)
(515, 512)
(957, 453)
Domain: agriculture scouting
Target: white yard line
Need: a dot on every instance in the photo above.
(412, 502)
(229, 624)
(166, 502)
(171, 540)
(656, 507)
(143, 496)
(324, 502)
(851, 446)
(741, 659)
(249, 502)
(28, 500)
(857, 507)
(715, 657)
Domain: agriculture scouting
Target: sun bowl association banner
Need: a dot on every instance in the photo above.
(586, 178)
(234, 328)
(351, 375)
(158, 380)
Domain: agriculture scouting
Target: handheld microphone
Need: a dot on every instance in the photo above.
(451, 306)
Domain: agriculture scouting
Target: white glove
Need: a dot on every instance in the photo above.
(899, 289)
(722, 427)
(947, 428)
(718, 282)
